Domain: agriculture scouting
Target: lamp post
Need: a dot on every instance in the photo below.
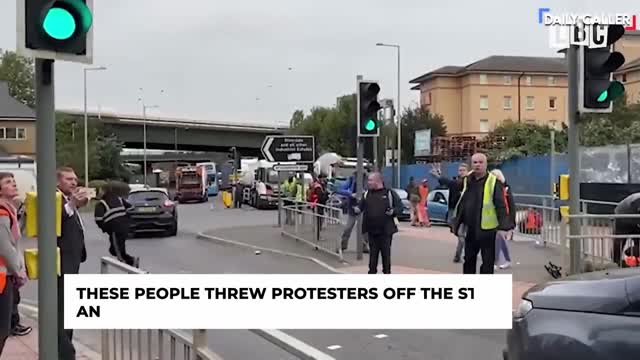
(398, 111)
(144, 129)
(86, 127)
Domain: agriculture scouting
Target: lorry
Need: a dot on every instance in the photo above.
(261, 183)
(337, 169)
(191, 184)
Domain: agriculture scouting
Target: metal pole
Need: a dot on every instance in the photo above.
(86, 134)
(280, 189)
(360, 174)
(398, 115)
(552, 163)
(46, 177)
(144, 136)
(574, 167)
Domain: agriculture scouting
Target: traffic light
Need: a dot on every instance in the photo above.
(56, 29)
(597, 65)
(368, 124)
(234, 155)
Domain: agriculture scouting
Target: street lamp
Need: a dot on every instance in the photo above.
(144, 130)
(86, 131)
(398, 111)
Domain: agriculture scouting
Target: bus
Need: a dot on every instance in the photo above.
(212, 178)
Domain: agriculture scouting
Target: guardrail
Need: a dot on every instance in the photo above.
(165, 344)
(317, 225)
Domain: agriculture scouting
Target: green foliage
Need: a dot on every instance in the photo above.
(525, 140)
(619, 127)
(104, 149)
(18, 72)
(414, 120)
(331, 126)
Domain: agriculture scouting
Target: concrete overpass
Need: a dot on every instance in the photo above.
(181, 134)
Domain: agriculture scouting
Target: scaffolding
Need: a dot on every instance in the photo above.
(460, 147)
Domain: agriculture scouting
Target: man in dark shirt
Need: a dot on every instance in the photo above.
(481, 219)
(627, 226)
(379, 207)
(455, 188)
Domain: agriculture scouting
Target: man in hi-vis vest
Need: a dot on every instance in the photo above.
(479, 215)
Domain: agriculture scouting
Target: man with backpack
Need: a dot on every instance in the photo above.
(379, 207)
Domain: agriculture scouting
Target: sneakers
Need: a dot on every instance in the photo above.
(21, 330)
(505, 265)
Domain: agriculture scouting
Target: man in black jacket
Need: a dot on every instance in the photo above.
(72, 249)
(481, 210)
(627, 226)
(379, 207)
(455, 188)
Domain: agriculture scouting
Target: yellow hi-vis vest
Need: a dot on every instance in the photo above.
(489, 218)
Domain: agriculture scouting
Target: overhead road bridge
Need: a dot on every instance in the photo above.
(181, 134)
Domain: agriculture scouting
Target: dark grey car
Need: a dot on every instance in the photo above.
(587, 317)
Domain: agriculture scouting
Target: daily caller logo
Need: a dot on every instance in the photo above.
(582, 29)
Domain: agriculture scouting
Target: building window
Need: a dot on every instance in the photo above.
(527, 80)
(507, 102)
(484, 102)
(551, 80)
(507, 80)
(552, 103)
(427, 98)
(530, 103)
(483, 79)
(12, 133)
(484, 125)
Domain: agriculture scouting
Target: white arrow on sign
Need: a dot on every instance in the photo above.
(265, 149)
(290, 167)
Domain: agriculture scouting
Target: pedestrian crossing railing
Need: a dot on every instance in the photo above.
(316, 225)
(605, 239)
(538, 219)
(163, 344)
(166, 344)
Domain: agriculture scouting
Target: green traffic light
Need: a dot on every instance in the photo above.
(615, 90)
(370, 125)
(59, 24)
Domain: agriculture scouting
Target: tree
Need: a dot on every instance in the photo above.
(414, 120)
(296, 119)
(522, 139)
(18, 72)
(615, 128)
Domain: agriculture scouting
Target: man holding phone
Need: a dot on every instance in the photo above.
(72, 248)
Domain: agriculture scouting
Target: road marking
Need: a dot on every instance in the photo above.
(380, 336)
(334, 347)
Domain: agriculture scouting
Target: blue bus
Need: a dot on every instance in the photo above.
(212, 178)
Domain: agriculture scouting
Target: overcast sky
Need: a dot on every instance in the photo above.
(229, 60)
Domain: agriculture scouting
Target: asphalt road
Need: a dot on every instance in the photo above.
(185, 253)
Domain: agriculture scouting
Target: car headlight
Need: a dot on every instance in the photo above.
(523, 309)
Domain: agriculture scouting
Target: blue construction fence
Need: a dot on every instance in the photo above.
(529, 175)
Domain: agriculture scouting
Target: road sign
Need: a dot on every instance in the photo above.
(290, 167)
(301, 149)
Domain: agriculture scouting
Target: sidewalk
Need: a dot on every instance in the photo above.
(26, 347)
(414, 250)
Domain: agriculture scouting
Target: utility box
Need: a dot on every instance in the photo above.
(31, 212)
(564, 187)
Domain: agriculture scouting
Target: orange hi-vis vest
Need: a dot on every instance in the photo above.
(15, 232)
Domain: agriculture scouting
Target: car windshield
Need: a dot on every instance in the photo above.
(147, 196)
(401, 193)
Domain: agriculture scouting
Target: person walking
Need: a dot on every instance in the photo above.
(379, 207)
(481, 209)
(289, 193)
(73, 251)
(17, 329)
(414, 198)
(510, 209)
(627, 226)
(112, 218)
(12, 269)
(423, 215)
(455, 188)
(348, 191)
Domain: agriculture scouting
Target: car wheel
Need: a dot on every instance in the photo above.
(173, 230)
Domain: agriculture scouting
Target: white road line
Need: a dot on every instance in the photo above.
(380, 336)
(334, 347)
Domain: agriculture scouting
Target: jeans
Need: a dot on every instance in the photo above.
(346, 234)
(380, 246)
(501, 247)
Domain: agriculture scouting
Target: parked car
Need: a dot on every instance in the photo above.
(438, 205)
(152, 210)
(406, 205)
(588, 316)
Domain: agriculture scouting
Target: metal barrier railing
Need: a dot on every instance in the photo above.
(167, 344)
(317, 225)
(151, 344)
(604, 238)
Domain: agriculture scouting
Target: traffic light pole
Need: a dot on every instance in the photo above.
(359, 177)
(574, 166)
(46, 177)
